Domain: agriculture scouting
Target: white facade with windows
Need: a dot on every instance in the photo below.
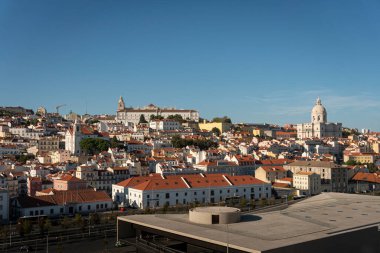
(201, 188)
(164, 125)
(308, 183)
(26, 133)
(132, 115)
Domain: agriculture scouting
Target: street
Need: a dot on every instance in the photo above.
(81, 246)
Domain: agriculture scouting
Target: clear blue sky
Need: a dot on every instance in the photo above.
(256, 61)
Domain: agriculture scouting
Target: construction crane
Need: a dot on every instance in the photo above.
(57, 108)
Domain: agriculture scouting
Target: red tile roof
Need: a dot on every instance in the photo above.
(63, 197)
(188, 181)
(273, 168)
(367, 177)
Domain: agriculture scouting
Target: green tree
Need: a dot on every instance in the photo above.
(26, 227)
(94, 218)
(78, 219)
(154, 117)
(65, 223)
(24, 158)
(176, 117)
(166, 207)
(47, 225)
(252, 203)
(94, 146)
(115, 143)
(142, 119)
(216, 131)
(203, 144)
(224, 119)
(243, 202)
(351, 163)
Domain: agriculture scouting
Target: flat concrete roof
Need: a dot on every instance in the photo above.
(314, 218)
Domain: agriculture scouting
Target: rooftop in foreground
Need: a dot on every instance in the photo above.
(318, 217)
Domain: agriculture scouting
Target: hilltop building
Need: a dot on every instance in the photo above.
(319, 127)
(132, 115)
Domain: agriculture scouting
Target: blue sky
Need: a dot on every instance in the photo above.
(255, 61)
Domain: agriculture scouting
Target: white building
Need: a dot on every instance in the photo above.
(164, 125)
(319, 128)
(200, 188)
(64, 203)
(132, 115)
(169, 169)
(307, 183)
(26, 132)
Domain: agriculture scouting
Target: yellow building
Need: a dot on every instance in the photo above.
(223, 127)
(258, 132)
(362, 157)
(376, 147)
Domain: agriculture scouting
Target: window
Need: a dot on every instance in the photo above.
(51, 211)
(61, 210)
(80, 208)
(97, 206)
(88, 207)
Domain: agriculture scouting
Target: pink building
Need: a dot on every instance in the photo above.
(69, 182)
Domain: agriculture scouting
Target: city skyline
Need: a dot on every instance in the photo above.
(252, 61)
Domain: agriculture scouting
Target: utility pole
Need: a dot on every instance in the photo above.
(47, 243)
(10, 234)
(228, 239)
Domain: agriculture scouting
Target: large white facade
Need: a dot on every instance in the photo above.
(158, 191)
(132, 115)
(319, 127)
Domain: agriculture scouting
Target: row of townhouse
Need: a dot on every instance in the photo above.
(158, 191)
(6, 150)
(26, 132)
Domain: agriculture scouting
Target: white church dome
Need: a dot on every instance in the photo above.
(318, 113)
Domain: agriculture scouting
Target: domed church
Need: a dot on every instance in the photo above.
(319, 127)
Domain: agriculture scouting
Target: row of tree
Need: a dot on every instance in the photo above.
(203, 144)
(175, 117)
